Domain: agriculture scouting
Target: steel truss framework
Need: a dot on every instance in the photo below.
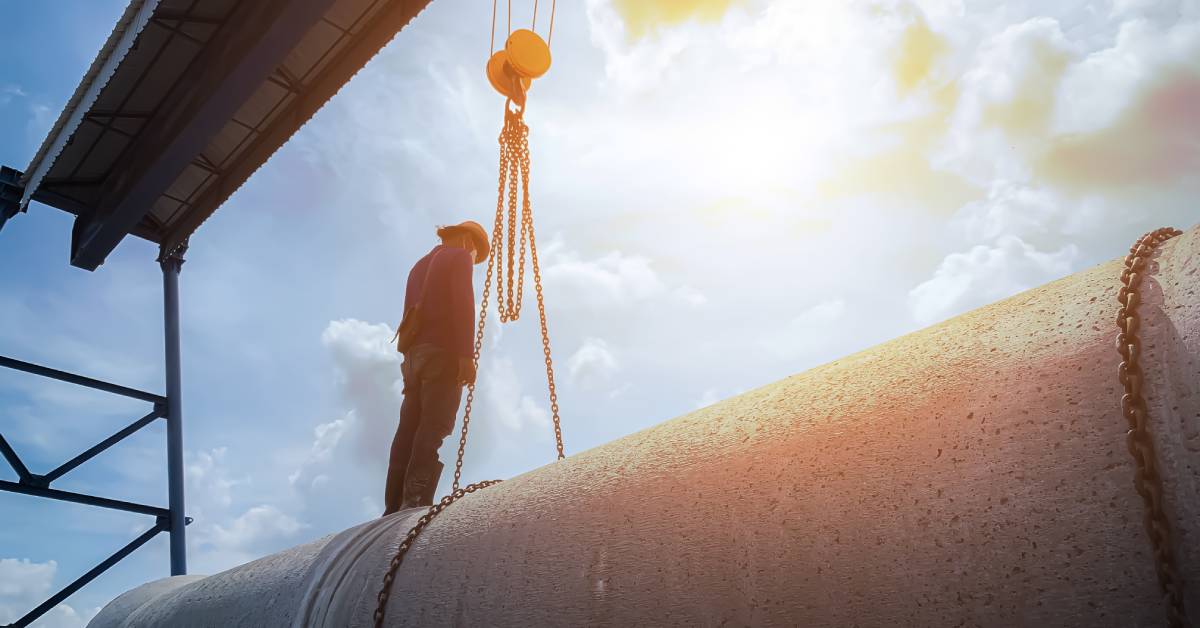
(171, 519)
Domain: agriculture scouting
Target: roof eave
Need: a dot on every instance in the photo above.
(137, 14)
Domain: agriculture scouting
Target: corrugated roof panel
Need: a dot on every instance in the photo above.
(188, 182)
(162, 75)
(261, 102)
(366, 20)
(202, 31)
(128, 125)
(346, 13)
(136, 62)
(279, 108)
(164, 209)
(312, 47)
(329, 57)
(102, 156)
(76, 147)
(216, 10)
(225, 142)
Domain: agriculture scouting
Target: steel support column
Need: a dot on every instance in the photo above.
(171, 264)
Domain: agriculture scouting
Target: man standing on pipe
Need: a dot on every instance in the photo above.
(438, 361)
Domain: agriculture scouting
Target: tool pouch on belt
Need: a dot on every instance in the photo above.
(410, 323)
(406, 332)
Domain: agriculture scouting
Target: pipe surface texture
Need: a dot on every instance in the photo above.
(974, 473)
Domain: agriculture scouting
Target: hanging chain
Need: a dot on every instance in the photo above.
(510, 277)
(514, 164)
(1147, 479)
(527, 229)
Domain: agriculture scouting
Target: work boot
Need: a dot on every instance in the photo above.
(421, 485)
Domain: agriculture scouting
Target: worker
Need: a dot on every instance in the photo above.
(438, 362)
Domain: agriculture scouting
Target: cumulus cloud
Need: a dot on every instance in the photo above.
(1127, 115)
(593, 364)
(613, 279)
(24, 584)
(984, 274)
(209, 485)
(368, 376)
(250, 530)
(21, 578)
(503, 395)
(327, 436)
(1006, 101)
(1039, 105)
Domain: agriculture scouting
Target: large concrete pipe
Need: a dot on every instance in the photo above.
(971, 474)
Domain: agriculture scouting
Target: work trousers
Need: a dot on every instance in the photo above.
(427, 415)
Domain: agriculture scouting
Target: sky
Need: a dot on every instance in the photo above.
(726, 192)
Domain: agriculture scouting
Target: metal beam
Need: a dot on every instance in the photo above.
(230, 68)
(101, 446)
(72, 378)
(11, 192)
(80, 498)
(14, 460)
(170, 269)
(104, 565)
(60, 201)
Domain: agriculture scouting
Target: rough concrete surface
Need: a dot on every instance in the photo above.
(971, 474)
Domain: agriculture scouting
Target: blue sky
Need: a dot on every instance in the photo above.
(723, 198)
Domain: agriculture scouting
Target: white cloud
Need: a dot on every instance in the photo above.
(593, 364)
(327, 436)
(9, 91)
(1007, 99)
(502, 394)
(690, 296)
(1035, 214)
(984, 274)
(21, 578)
(368, 369)
(808, 332)
(209, 486)
(259, 524)
(822, 313)
(65, 616)
(24, 584)
(613, 279)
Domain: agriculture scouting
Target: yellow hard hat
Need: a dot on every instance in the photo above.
(477, 234)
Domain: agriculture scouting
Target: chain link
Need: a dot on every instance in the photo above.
(411, 537)
(1147, 480)
(514, 164)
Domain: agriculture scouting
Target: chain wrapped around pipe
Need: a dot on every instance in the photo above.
(1147, 480)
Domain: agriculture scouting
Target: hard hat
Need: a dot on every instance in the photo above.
(477, 233)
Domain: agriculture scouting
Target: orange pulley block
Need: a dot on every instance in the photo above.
(526, 56)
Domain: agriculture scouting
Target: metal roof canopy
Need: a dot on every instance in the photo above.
(186, 99)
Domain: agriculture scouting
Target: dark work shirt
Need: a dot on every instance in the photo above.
(448, 313)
